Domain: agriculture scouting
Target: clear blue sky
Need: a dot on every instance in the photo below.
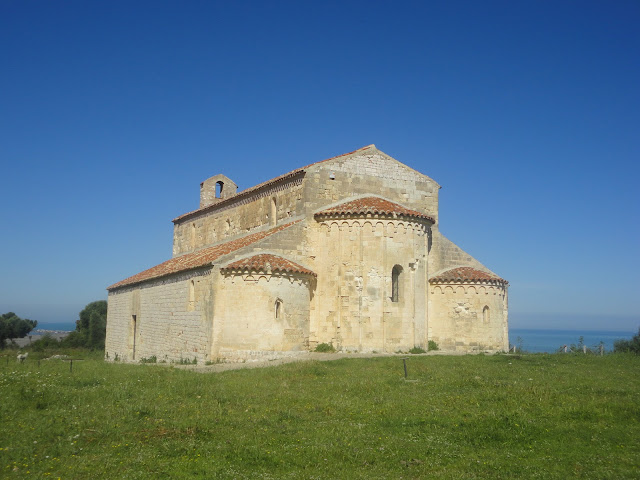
(527, 113)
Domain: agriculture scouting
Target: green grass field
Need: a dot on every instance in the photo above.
(532, 416)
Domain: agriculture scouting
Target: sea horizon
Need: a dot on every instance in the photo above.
(548, 340)
(534, 340)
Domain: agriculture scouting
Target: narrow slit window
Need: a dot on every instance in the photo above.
(192, 292)
(134, 328)
(278, 309)
(485, 314)
(395, 283)
(274, 211)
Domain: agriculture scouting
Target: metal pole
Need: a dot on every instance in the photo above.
(404, 362)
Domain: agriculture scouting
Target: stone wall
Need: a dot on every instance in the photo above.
(368, 174)
(466, 317)
(166, 318)
(258, 314)
(240, 215)
(353, 307)
(445, 255)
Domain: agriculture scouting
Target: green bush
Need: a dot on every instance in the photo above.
(152, 359)
(325, 348)
(432, 346)
(628, 346)
(417, 350)
(186, 361)
(44, 343)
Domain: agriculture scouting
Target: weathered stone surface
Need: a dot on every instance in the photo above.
(343, 251)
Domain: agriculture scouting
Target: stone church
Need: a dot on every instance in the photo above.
(345, 251)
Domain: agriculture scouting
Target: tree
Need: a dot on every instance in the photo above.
(12, 326)
(90, 328)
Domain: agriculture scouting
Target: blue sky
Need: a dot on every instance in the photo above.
(527, 113)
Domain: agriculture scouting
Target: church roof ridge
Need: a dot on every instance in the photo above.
(250, 190)
(372, 205)
(466, 274)
(197, 259)
(267, 262)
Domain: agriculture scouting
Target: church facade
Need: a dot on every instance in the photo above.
(346, 251)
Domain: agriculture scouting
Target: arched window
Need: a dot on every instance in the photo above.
(485, 314)
(219, 188)
(273, 211)
(278, 309)
(395, 283)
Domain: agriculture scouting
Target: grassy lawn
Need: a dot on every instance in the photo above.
(533, 416)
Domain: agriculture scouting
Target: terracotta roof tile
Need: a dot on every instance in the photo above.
(197, 259)
(372, 205)
(288, 175)
(467, 274)
(265, 262)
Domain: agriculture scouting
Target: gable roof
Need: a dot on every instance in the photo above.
(266, 262)
(466, 275)
(372, 205)
(197, 259)
(268, 183)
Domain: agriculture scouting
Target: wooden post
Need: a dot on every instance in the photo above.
(601, 349)
(584, 349)
(404, 362)
(71, 365)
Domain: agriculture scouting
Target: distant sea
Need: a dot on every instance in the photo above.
(532, 340)
(549, 341)
(57, 326)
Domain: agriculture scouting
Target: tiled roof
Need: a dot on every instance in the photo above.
(467, 274)
(197, 259)
(251, 190)
(372, 205)
(266, 262)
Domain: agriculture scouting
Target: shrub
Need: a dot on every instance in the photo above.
(186, 361)
(432, 346)
(630, 346)
(47, 341)
(416, 350)
(152, 359)
(325, 348)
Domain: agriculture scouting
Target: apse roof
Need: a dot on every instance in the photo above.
(466, 274)
(372, 205)
(266, 262)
